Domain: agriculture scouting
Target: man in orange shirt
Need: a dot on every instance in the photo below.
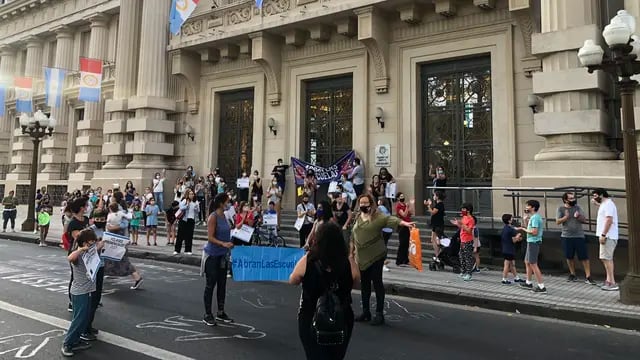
(466, 225)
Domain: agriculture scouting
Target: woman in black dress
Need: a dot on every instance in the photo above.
(326, 262)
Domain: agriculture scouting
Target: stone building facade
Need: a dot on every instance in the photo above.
(451, 79)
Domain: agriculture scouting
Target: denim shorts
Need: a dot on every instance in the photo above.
(573, 246)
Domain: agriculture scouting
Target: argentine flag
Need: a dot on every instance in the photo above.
(180, 12)
(53, 86)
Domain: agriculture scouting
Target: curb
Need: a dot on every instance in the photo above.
(554, 311)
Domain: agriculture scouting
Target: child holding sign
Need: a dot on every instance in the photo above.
(44, 219)
(81, 288)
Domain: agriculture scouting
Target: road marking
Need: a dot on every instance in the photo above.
(184, 325)
(106, 337)
(20, 344)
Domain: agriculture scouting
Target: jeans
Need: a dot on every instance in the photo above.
(403, 246)
(215, 269)
(359, 189)
(9, 215)
(159, 196)
(372, 274)
(81, 309)
(185, 233)
(96, 296)
(202, 215)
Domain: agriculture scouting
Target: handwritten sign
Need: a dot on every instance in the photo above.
(383, 155)
(114, 246)
(259, 263)
(244, 233)
(91, 261)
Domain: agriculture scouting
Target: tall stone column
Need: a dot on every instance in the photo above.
(22, 145)
(55, 147)
(633, 7)
(89, 141)
(128, 47)
(573, 122)
(7, 69)
(151, 103)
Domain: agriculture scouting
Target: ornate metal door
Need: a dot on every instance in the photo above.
(329, 119)
(456, 112)
(235, 136)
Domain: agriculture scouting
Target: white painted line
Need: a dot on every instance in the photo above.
(108, 338)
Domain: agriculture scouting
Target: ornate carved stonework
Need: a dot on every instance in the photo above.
(192, 27)
(238, 16)
(525, 21)
(273, 7)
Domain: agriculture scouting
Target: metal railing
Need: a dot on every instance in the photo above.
(489, 215)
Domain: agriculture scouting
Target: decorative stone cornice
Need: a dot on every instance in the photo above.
(19, 7)
(266, 52)
(522, 13)
(373, 32)
(98, 20)
(446, 8)
(411, 13)
(7, 50)
(63, 31)
(33, 41)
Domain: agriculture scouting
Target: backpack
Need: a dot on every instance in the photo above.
(329, 326)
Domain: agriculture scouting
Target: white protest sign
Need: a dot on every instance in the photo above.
(91, 261)
(383, 155)
(229, 214)
(299, 223)
(244, 233)
(270, 219)
(390, 191)
(333, 187)
(242, 183)
(114, 246)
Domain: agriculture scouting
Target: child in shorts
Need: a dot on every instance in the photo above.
(509, 237)
(135, 222)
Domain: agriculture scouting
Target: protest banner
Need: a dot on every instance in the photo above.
(114, 246)
(91, 261)
(324, 175)
(244, 233)
(258, 263)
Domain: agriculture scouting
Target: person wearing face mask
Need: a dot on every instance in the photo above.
(280, 173)
(466, 225)
(274, 195)
(370, 251)
(243, 217)
(200, 190)
(307, 211)
(342, 215)
(570, 216)
(158, 188)
(404, 212)
(243, 187)
(357, 177)
(256, 189)
(190, 208)
(348, 188)
(607, 230)
(323, 215)
(216, 259)
(534, 231)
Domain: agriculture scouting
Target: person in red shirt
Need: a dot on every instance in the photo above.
(404, 212)
(466, 225)
(244, 217)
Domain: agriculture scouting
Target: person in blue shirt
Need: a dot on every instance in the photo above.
(272, 209)
(509, 237)
(152, 211)
(534, 241)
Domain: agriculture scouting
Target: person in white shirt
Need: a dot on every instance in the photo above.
(607, 231)
(357, 177)
(158, 188)
(189, 209)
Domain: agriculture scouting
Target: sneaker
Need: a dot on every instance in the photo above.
(475, 270)
(364, 317)
(526, 286)
(537, 289)
(222, 316)
(209, 320)
(377, 320)
(229, 276)
(572, 278)
(385, 268)
(610, 287)
(88, 337)
(137, 284)
(70, 308)
(66, 351)
(506, 282)
(466, 277)
(94, 331)
(519, 280)
(175, 253)
(42, 245)
(590, 281)
(35, 231)
(81, 345)
(188, 253)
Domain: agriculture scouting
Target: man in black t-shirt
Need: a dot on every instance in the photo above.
(437, 219)
(280, 173)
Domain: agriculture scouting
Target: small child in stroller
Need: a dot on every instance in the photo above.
(449, 249)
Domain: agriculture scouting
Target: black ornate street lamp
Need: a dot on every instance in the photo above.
(622, 62)
(37, 126)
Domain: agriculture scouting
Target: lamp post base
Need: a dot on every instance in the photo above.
(29, 224)
(630, 289)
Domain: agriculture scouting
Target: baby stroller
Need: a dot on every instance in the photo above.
(449, 250)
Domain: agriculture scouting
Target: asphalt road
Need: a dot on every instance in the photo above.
(163, 320)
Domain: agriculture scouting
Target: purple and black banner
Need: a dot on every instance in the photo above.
(324, 175)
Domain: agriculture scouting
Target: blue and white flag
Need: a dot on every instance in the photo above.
(2, 94)
(53, 86)
(259, 4)
(180, 12)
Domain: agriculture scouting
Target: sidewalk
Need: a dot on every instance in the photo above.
(575, 301)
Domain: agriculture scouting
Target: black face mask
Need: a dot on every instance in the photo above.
(572, 202)
(598, 199)
(401, 200)
(365, 209)
(305, 201)
(526, 211)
